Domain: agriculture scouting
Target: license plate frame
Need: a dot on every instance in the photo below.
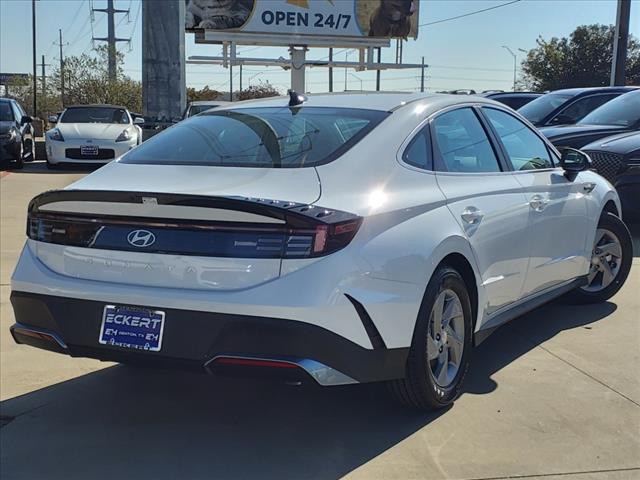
(132, 327)
(89, 150)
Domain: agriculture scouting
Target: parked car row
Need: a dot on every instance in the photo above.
(16, 134)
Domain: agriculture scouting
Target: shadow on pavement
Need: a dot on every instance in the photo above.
(161, 424)
(40, 166)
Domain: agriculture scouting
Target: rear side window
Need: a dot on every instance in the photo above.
(463, 144)
(271, 137)
(580, 108)
(525, 149)
(418, 152)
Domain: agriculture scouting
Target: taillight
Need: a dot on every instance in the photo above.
(304, 232)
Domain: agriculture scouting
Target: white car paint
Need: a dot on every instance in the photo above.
(413, 219)
(77, 135)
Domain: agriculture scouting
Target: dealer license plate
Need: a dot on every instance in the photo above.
(89, 150)
(132, 327)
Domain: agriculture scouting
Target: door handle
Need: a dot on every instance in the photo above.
(471, 215)
(537, 203)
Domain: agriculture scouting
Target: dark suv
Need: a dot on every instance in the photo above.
(16, 133)
(566, 107)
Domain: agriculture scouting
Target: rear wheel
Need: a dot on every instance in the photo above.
(610, 261)
(441, 347)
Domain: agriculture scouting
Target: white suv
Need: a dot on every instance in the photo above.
(343, 238)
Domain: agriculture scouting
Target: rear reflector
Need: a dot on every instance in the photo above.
(253, 362)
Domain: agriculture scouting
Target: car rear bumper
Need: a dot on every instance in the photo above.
(199, 340)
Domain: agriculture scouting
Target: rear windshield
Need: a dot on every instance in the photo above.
(623, 111)
(95, 115)
(536, 110)
(275, 137)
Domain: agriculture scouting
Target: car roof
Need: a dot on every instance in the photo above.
(209, 102)
(510, 94)
(102, 105)
(383, 101)
(588, 90)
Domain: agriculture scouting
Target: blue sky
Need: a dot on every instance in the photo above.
(463, 53)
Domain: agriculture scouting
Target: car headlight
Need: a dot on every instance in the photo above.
(10, 135)
(125, 136)
(56, 135)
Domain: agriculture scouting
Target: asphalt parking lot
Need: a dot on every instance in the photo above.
(553, 395)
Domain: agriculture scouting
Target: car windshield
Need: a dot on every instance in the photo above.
(275, 137)
(622, 111)
(95, 115)
(196, 109)
(536, 110)
(6, 115)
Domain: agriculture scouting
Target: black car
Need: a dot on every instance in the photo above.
(16, 133)
(514, 100)
(617, 159)
(617, 116)
(566, 107)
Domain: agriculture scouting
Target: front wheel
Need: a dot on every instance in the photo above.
(610, 261)
(441, 347)
(20, 157)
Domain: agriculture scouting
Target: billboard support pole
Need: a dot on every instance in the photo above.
(298, 66)
(422, 77)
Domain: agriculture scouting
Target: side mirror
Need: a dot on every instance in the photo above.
(573, 162)
(53, 119)
(138, 121)
(25, 119)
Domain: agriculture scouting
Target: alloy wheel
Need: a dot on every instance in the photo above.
(606, 259)
(445, 342)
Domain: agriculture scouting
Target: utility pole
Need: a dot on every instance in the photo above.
(60, 44)
(230, 82)
(422, 77)
(33, 45)
(111, 38)
(240, 77)
(620, 44)
(378, 71)
(44, 76)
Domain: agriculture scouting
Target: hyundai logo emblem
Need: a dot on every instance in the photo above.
(141, 238)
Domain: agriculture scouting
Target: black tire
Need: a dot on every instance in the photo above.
(609, 221)
(30, 150)
(19, 158)
(419, 389)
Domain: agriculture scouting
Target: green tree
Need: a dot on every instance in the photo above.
(87, 80)
(582, 60)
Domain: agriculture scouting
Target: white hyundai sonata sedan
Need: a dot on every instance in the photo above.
(91, 134)
(339, 238)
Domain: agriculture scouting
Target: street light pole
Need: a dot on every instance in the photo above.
(515, 62)
(33, 44)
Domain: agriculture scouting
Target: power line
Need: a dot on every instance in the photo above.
(469, 13)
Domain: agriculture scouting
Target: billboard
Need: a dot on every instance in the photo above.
(318, 18)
